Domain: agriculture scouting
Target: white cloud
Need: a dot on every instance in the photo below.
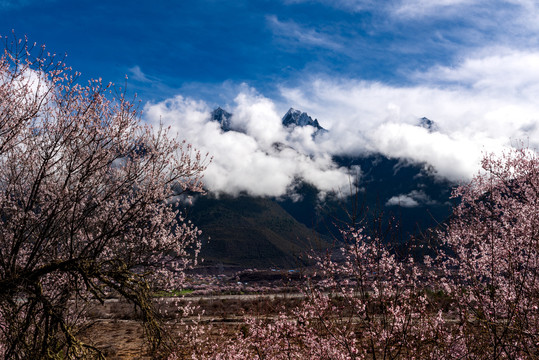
(403, 201)
(506, 21)
(137, 74)
(495, 70)
(399, 8)
(421, 8)
(256, 116)
(250, 161)
(483, 104)
(473, 22)
(302, 36)
(413, 199)
(28, 86)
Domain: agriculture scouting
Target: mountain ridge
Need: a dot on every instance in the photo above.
(295, 117)
(248, 231)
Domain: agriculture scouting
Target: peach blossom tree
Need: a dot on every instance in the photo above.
(477, 298)
(88, 209)
(491, 259)
(364, 303)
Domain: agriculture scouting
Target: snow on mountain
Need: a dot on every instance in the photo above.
(297, 118)
(291, 119)
(222, 117)
(428, 124)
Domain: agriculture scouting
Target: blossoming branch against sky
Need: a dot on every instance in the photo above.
(367, 70)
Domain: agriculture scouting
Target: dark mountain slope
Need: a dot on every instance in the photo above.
(251, 232)
(408, 193)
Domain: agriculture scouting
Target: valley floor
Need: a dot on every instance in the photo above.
(117, 331)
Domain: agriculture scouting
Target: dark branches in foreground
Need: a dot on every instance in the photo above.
(87, 205)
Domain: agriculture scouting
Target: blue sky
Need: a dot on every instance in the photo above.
(366, 69)
(166, 46)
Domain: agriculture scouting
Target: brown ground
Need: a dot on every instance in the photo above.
(118, 333)
(118, 339)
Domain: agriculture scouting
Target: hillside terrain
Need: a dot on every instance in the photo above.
(249, 231)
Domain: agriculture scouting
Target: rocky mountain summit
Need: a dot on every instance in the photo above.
(222, 117)
(428, 124)
(297, 118)
(290, 120)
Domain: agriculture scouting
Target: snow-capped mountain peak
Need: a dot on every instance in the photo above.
(297, 118)
(222, 117)
(428, 124)
(290, 120)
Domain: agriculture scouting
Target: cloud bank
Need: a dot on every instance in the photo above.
(483, 104)
(261, 159)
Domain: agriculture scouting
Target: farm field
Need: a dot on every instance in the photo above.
(117, 331)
